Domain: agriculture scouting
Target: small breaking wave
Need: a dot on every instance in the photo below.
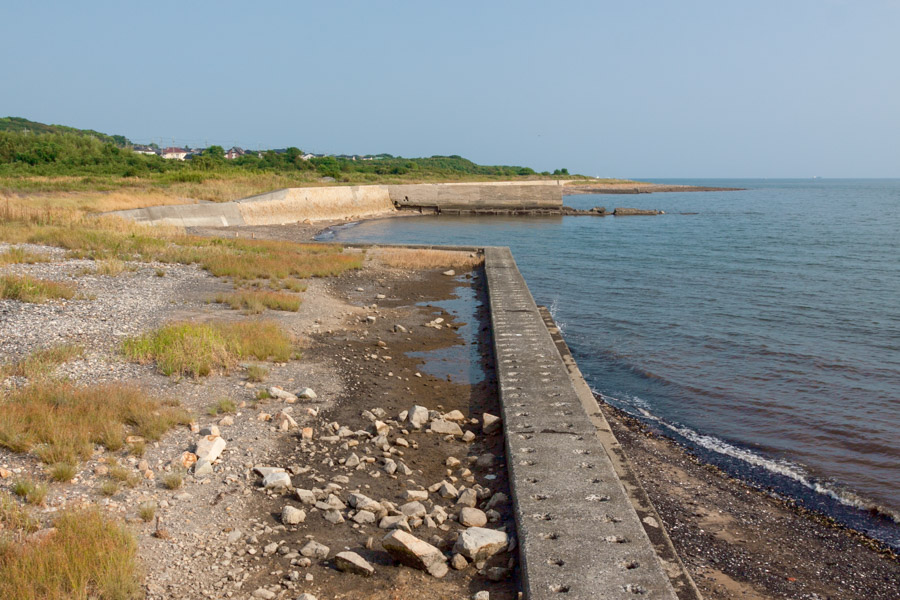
(784, 468)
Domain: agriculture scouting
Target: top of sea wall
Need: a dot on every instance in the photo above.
(498, 195)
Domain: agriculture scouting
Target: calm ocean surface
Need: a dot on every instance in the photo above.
(763, 331)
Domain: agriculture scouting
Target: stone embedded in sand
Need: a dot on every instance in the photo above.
(280, 394)
(459, 562)
(352, 461)
(202, 467)
(292, 516)
(450, 273)
(187, 460)
(390, 466)
(364, 517)
(394, 522)
(314, 549)
(490, 423)
(413, 509)
(447, 491)
(381, 428)
(351, 562)
(413, 552)
(306, 596)
(307, 394)
(400, 329)
(452, 462)
(415, 495)
(468, 436)
(284, 421)
(363, 502)
(443, 427)
(226, 421)
(417, 417)
(333, 516)
(209, 448)
(274, 481)
(263, 594)
(306, 433)
(472, 517)
(305, 496)
(497, 499)
(486, 460)
(467, 497)
(454, 415)
(266, 471)
(478, 543)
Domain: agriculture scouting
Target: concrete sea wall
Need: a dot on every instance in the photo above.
(579, 531)
(293, 205)
(500, 195)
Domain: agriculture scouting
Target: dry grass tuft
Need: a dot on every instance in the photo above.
(173, 481)
(256, 302)
(42, 363)
(412, 258)
(28, 289)
(63, 472)
(223, 406)
(86, 557)
(256, 373)
(20, 256)
(32, 491)
(61, 422)
(198, 349)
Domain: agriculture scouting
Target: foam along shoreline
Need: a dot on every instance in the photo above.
(577, 188)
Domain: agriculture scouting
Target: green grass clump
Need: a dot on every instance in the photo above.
(223, 406)
(42, 363)
(61, 422)
(87, 557)
(147, 511)
(173, 481)
(253, 302)
(63, 472)
(19, 256)
(124, 475)
(198, 349)
(33, 492)
(14, 518)
(109, 488)
(256, 373)
(28, 289)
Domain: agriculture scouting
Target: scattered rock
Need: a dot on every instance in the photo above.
(292, 516)
(264, 594)
(210, 448)
(490, 423)
(277, 392)
(411, 551)
(307, 394)
(445, 427)
(458, 562)
(351, 562)
(478, 543)
(450, 273)
(472, 517)
(468, 498)
(274, 481)
(314, 549)
(417, 417)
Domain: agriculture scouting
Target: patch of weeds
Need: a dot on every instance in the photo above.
(32, 491)
(223, 406)
(147, 511)
(42, 363)
(14, 517)
(63, 472)
(62, 422)
(256, 373)
(173, 480)
(88, 556)
(253, 302)
(20, 256)
(198, 349)
(28, 289)
(109, 488)
(124, 475)
(294, 285)
(263, 394)
(138, 448)
(160, 272)
(412, 258)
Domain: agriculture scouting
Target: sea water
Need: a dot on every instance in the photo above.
(761, 328)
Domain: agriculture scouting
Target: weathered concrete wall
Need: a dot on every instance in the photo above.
(315, 204)
(504, 195)
(578, 531)
(293, 205)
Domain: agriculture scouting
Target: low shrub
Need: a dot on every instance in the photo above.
(28, 289)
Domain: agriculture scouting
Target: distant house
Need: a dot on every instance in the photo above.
(139, 149)
(235, 152)
(307, 156)
(174, 153)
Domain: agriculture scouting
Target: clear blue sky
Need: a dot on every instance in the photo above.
(630, 89)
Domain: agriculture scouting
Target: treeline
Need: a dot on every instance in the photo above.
(25, 126)
(74, 154)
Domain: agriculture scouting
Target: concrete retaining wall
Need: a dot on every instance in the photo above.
(579, 534)
(315, 204)
(501, 195)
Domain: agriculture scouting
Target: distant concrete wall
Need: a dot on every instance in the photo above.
(293, 205)
(502, 195)
(315, 204)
